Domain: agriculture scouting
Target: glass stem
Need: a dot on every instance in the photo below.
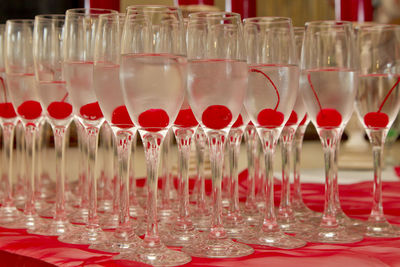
(93, 138)
(59, 142)
(235, 138)
(108, 168)
(269, 143)
(297, 145)
(30, 138)
(285, 207)
(166, 184)
(184, 140)
(338, 206)
(377, 138)
(20, 158)
(330, 139)
(83, 156)
(251, 140)
(216, 142)
(201, 140)
(38, 159)
(151, 144)
(132, 177)
(123, 143)
(8, 137)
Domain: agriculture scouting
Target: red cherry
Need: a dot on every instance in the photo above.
(7, 111)
(238, 122)
(292, 119)
(376, 120)
(329, 117)
(153, 120)
(30, 110)
(304, 120)
(91, 111)
(216, 117)
(270, 118)
(120, 117)
(186, 118)
(251, 123)
(59, 110)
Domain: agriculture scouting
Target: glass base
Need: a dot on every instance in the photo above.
(9, 214)
(235, 226)
(274, 238)
(136, 211)
(109, 221)
(209, 247)
(202, 223)
(80, 216)
(381, 229)
(251, 216)
(28, 222)
(54, 228)
(166, 215)
(156, 256)
(290, 224)
(304, 213)
(344, 220)
(84, 236)
(51, 210)
(177, 236)
(334, 235)
(119, 242)
(104, 206)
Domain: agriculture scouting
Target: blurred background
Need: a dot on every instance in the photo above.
(385, 11)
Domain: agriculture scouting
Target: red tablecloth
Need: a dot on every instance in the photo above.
(17, 248)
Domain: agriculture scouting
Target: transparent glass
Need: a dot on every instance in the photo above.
(377, 105)
(108, 92)
(216, 88)
(329, 105)
(79, 40)
(8, 121)
(271, 95)
(153, 78)
(21, 86)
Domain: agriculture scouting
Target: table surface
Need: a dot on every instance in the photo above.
(17, 248)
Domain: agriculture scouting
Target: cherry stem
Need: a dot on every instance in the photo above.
(269, 79)
(387, 96)
(312, 88)
(65, 97)
(4, 89)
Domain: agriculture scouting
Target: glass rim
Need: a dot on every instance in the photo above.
(298, 29)
(328, 23)
(86, 12)
(377, 27)
(119, 15)
(267, 20)
(154, 8)
(20, 21)
(50, 17)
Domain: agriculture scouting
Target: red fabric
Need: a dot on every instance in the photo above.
(356, 201)
(397, 170)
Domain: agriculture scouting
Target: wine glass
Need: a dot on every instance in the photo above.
(21, 86)
(153, 78)
(216, 88)
(8, 120)
(51, 87)
(272, 91)
(106, 83)
(329, 81)
(377, 105)
(234, 223)
(79, 39)
(300, 210)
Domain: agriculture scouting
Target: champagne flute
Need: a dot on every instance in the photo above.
(21, 85)
(109, 94)
(328, 87)
(377, 105)
(217, 84)
(8, 120)
(80, 34)
(153, 77)
(53, 96)
(273, 84)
